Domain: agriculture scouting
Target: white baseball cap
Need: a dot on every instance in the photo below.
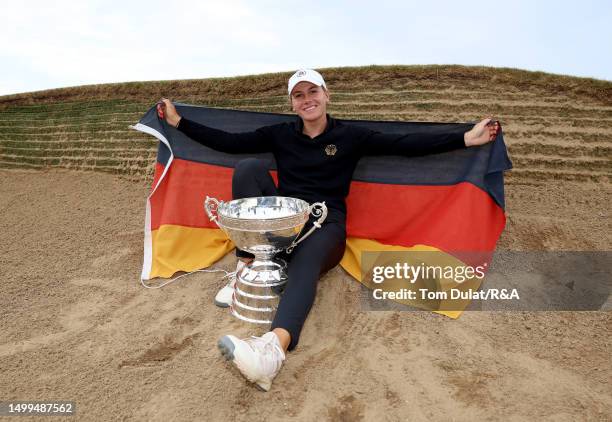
(308, 75)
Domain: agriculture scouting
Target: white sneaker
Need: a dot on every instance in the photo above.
(258, 358)
(223, 299)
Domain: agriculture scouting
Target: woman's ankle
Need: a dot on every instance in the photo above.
(284, 337)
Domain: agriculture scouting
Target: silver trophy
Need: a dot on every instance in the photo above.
(263, 226)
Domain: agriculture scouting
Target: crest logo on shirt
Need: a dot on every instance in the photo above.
(330, 149)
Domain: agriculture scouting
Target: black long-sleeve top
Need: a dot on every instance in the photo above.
(320, 168)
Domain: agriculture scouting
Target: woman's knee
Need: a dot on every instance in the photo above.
(252, 178)
(249, 167)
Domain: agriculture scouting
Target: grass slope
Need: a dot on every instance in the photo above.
(556, 127)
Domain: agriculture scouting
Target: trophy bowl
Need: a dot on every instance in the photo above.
(263, 226)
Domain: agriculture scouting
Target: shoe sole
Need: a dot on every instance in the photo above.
(222, 304)
(226, 347)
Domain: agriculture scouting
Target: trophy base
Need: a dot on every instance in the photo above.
(258, 289)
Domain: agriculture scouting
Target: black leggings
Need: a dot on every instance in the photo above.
(317, 254)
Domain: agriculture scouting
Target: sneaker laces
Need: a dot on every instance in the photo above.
(268, 346)
(232, 275)
(232, 278)
(145, 284)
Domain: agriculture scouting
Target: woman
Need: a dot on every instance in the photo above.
(316, 156)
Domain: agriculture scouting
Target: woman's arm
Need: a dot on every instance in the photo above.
(416, 144)
(233, 143)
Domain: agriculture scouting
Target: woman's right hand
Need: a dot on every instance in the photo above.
(167, 111)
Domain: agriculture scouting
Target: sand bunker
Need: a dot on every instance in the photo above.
(77, 325)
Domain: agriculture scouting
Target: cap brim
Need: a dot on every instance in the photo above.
(305, 80)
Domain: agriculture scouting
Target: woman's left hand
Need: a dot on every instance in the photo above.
(483, 132)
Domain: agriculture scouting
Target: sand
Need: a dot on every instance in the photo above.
(77, 325)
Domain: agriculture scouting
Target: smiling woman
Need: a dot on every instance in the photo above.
(315, 156)
(309, 98)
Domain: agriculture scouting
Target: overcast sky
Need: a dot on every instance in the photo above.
(51, 44)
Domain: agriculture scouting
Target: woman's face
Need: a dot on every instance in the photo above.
(309, 101)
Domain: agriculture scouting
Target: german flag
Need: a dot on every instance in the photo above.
(451, 203)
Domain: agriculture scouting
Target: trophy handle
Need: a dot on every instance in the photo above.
(318, 209)
(211, 205)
